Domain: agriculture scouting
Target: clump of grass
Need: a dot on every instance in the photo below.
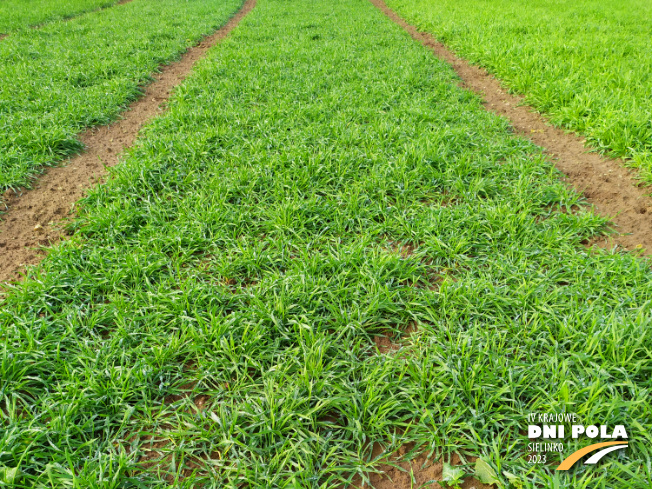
(584, 64)
(248, 251)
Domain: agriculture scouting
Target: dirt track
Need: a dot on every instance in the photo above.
(605, 183)
(31, 217)
(26, 225)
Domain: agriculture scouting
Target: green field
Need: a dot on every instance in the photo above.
(586, 64)
(319, 181)
(67, 76)
(18, 14)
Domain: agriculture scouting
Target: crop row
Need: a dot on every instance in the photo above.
(320, 180)
(585, 64)
(67, 76)
(19, 14)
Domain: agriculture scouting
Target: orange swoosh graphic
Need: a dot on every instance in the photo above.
(575, 456)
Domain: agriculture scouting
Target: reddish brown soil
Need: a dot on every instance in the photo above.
(155, 443)
(386, 344)
(31, 217)
(606, 184)
(417, 473)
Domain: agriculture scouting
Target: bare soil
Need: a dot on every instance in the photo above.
(604, 182)
(32, 216)
(417, 473)
(607, 185)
